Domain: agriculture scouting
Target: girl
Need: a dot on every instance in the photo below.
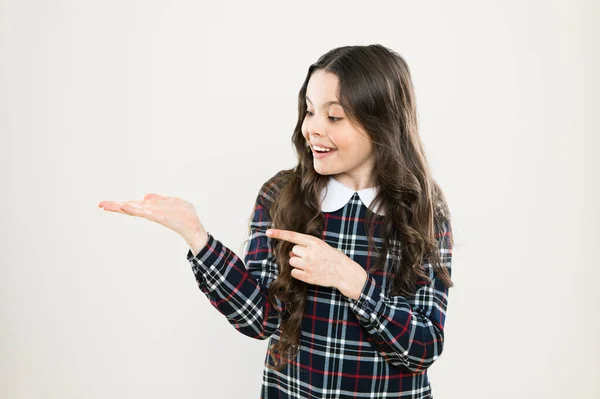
(348, 265)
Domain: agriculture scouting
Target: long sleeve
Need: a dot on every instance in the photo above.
(239, 289)
(408, 333)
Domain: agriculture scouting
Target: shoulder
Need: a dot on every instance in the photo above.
(442, 211)
(271, 188)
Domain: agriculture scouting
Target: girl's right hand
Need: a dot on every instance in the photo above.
(171, 212)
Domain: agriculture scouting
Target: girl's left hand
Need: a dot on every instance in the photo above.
(313, 260)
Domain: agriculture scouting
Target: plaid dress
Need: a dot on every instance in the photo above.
(378, 346)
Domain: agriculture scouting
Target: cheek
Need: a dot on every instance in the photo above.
(362, 143)
(304, 130)
(353, 147)
(365, 145)
(341, 141)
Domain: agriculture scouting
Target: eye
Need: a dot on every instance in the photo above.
(331, 118)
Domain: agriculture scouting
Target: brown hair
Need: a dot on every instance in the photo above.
(376, 92)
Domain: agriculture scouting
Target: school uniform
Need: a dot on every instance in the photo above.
(375, 347)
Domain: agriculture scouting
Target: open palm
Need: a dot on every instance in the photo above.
(171, 212)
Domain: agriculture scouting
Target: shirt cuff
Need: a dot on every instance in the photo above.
(207, 254)
(366, 304)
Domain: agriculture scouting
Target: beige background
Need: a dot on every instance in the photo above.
(111, 100)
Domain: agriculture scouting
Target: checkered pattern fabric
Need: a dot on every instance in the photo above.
(378, 346)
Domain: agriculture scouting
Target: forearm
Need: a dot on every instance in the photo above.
(408, 333)
(236, 289)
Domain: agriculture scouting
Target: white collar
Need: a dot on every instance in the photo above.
(335, 195)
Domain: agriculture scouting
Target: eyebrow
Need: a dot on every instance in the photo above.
(326, 102)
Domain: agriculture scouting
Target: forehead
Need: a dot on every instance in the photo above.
(322, 86)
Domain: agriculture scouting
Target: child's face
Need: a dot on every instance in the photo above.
(352, 158)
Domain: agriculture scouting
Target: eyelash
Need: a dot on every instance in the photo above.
(331, 118)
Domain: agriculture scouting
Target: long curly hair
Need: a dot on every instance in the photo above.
(376, 93)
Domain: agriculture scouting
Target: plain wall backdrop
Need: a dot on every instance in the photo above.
(111, 100)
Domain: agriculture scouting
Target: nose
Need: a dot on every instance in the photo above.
(313, 133)
(314, 127)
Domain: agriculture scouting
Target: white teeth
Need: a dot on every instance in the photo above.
(321, 148)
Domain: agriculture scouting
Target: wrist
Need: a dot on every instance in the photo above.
(353, 280)
(197, 240)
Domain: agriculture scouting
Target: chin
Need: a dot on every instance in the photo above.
(324, 171)
(320, 171)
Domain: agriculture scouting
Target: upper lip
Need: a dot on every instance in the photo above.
(322, 146)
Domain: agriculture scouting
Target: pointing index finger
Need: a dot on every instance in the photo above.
(291, 236)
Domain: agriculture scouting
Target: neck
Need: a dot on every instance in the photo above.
(353, 182)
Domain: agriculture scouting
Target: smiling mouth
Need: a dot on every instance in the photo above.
(322, 150)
